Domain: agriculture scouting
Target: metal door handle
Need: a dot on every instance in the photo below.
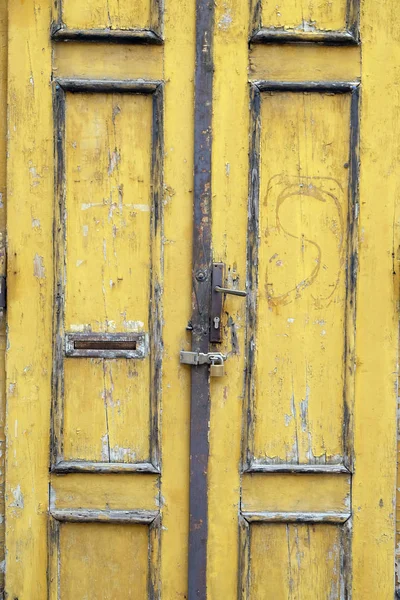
(222, 290)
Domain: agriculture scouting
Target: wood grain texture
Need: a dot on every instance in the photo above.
(290, 560)
(30, 179)
(95, 14)
(302, 266)
(285, 493)
(331, 23)
(303, 14)
(229, 216)
(377, 316)
(303, 63)
(179, 60)
(120, 553)
(112, 492)
(3, 268)
(109, 61)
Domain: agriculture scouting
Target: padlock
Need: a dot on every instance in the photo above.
(217, 368)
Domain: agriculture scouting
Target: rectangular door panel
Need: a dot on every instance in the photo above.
(301, 248)
(294, 561)
(305, 20)
(118, 552)
(95, 14)
(114, 491)
(116, 19)
(299, 14)
(106, 410)
(108, 261)
(291, 494)
(108, 205)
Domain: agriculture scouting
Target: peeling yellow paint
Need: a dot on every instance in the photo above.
(321, 404)
(304, 15)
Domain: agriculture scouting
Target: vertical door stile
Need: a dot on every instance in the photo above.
(202, 263)
(3, 266)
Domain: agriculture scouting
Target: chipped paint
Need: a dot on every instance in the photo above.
(114, 160)
(18, 501)
(38, 267)
(226, 18)
(132, 326)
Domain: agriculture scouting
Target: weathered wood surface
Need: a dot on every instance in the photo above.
(298, 439)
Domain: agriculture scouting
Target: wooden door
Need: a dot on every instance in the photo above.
(147, 142)
(100, 206)
(305, 184)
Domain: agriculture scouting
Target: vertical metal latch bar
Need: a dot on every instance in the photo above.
(201, 297)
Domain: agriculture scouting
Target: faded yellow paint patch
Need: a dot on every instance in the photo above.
(288, 62)
(114, 61)
(120, 553)
(295, 561)
(296, 493)
(114, 492)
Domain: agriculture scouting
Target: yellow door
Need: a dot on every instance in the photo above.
(166, 439)
(100, 210)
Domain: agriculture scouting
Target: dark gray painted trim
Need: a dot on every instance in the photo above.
(201, 302)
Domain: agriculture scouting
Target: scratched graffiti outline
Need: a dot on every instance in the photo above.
(312, 187)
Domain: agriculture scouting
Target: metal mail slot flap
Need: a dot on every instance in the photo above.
(106, 345)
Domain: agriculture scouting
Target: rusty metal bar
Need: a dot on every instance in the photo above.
(201, 300)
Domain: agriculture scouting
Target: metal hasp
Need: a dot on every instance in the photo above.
(200, 358)
(3, 293)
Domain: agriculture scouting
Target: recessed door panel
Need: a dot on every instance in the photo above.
(306, 21)
(118, 553)
(108, 261)
(106, 410)
(111, 20)
(294, 560)
(303, 14)
(108, 205)
(95, 14)
(302, 394)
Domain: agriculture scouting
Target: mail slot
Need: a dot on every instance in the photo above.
(106, 345)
